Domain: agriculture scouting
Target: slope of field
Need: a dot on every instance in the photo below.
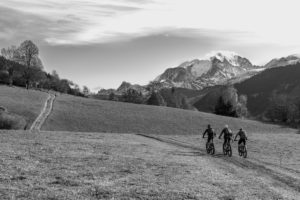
(65, 165)
(88, 115)
(26, 103)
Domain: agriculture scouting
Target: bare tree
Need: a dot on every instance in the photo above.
(242, 110)
(28, 53)
(283, 109)
(86, 91)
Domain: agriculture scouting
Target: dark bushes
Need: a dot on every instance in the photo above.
(11, 121)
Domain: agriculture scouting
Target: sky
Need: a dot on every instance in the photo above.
(100, 43)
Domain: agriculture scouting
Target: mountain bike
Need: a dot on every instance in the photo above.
(227, 149)
(210, 147)
(242, 150)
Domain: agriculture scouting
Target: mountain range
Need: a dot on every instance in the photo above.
(217, 68)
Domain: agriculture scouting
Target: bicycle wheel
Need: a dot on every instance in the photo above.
(212, 147)
(240, 151)
(207, 148)
(245, 153)
(229, 151)
(225, 149)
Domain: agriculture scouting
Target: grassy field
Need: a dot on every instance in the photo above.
(279, 150)
(26, 103)
(89, 164)
(66, 165)
(87, 115)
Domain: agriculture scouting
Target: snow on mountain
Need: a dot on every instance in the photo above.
(284, 61)
(217, 68)
(230, 56)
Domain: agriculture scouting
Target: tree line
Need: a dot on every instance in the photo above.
(21, 66)
(231, 104)
(281, 108)
(152, 94)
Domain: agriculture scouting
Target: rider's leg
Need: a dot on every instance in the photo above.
(239, 143)
(242, 141)
(207, 142)
(227, 141)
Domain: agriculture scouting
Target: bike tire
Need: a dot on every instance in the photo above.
(224, 150)
(229, 151)
(245, 153)
(207, 149)
(212, 152)
(240, 151)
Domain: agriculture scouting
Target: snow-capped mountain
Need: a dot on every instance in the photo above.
(216, 68)
(284, 61)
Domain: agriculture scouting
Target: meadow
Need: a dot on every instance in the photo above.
(92, 149)
(88, 115)
(25, 103)
(68, 165)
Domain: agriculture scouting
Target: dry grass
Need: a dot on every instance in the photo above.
(87, 115)
(65, 165)
(279, 150)
(25, 103)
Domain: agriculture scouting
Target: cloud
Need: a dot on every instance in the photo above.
(57, 22)
(92, 21)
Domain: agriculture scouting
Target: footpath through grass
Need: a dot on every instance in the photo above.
(26, 103)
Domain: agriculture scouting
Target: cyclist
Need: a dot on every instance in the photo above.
(243, 137)
(210, 133)
(227, 135)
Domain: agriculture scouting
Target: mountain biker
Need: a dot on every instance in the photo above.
(210, 133)
(227, 135)
(243, 137)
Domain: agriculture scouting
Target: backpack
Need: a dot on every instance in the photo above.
(227, 133)
(210, 132)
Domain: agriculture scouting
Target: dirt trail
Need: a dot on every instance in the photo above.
(45, 112)
(251, 170)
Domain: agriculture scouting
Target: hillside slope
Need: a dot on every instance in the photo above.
(26, 103)
(282, 80)
(88, 115)
(259, 88)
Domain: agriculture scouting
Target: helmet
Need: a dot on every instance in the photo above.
(241, 129)
(226, 126)
(208, 126)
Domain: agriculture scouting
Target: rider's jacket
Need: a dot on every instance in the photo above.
(210, 132)
(226, 132)
(242, 134)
